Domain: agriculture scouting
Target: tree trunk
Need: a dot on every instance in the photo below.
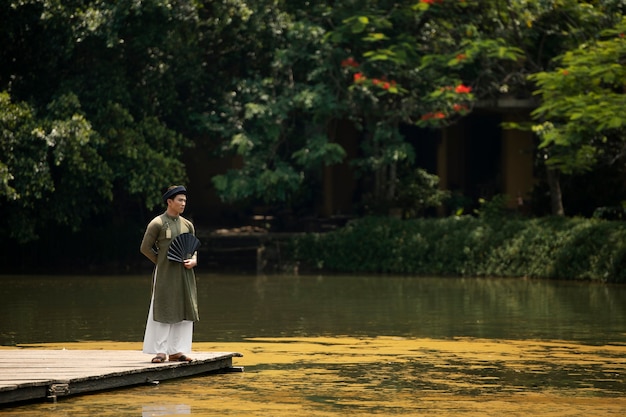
(391, 181)
(556, 199)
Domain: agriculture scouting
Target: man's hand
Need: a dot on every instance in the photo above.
(190, 263)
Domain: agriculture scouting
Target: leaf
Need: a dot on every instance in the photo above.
(241, 143)
(615, 123)
(359, 24)
(375, 37)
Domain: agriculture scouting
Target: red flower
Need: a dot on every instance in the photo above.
(565, 72)
(349, 62)
(461, 57)
(359, 77)
(431, 115)
(621, 35)
(386, 85)
(427, 1)
(463, 89)
(459, 107)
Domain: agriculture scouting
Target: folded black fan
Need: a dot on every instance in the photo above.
(182, 247)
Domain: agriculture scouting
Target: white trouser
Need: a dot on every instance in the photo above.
(167, 338)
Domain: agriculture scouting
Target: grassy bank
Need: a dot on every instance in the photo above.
(553, 247)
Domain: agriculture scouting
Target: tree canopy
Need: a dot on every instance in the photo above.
(582, 115)
(383, 64)
(99, 99)
(92, 95)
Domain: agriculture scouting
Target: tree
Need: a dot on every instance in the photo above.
(486, 48)
(413, 63)
(276, 117)
(99, 99)
(325, 69)
(581, 120)
(567, 26)
(90, 90)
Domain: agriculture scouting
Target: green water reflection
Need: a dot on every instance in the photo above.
(36, 309)
(338, 345)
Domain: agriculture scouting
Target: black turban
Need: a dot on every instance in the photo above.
(174, 192)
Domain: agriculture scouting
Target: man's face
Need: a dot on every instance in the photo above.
(177, 203)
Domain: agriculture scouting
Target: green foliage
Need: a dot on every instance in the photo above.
(101, 98)
(16, 123)
(379, 64)
(552, 247)
(493, 209)
(428, 62)
(89, 113)
(419, 191)
(399, 65)
(277, 120)
(49, 161)
(610, 212)
(581, 118)
(147, 143)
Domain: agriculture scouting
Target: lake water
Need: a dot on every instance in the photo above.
(337, 345)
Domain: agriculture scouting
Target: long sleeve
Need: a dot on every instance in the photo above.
(150, 238)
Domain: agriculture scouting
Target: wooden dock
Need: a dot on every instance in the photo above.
(40, 374)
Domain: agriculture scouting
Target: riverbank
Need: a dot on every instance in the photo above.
(544, 248)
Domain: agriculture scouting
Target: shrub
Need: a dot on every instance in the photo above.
(551, 247)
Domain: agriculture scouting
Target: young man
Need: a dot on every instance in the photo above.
(174, 304)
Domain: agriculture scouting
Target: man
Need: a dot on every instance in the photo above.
(174, 304)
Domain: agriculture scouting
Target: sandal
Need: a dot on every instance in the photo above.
(179, 357)
(158, 358)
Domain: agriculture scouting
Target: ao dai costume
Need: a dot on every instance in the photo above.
(174, 302)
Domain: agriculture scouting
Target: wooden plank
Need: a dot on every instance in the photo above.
(37, 374)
